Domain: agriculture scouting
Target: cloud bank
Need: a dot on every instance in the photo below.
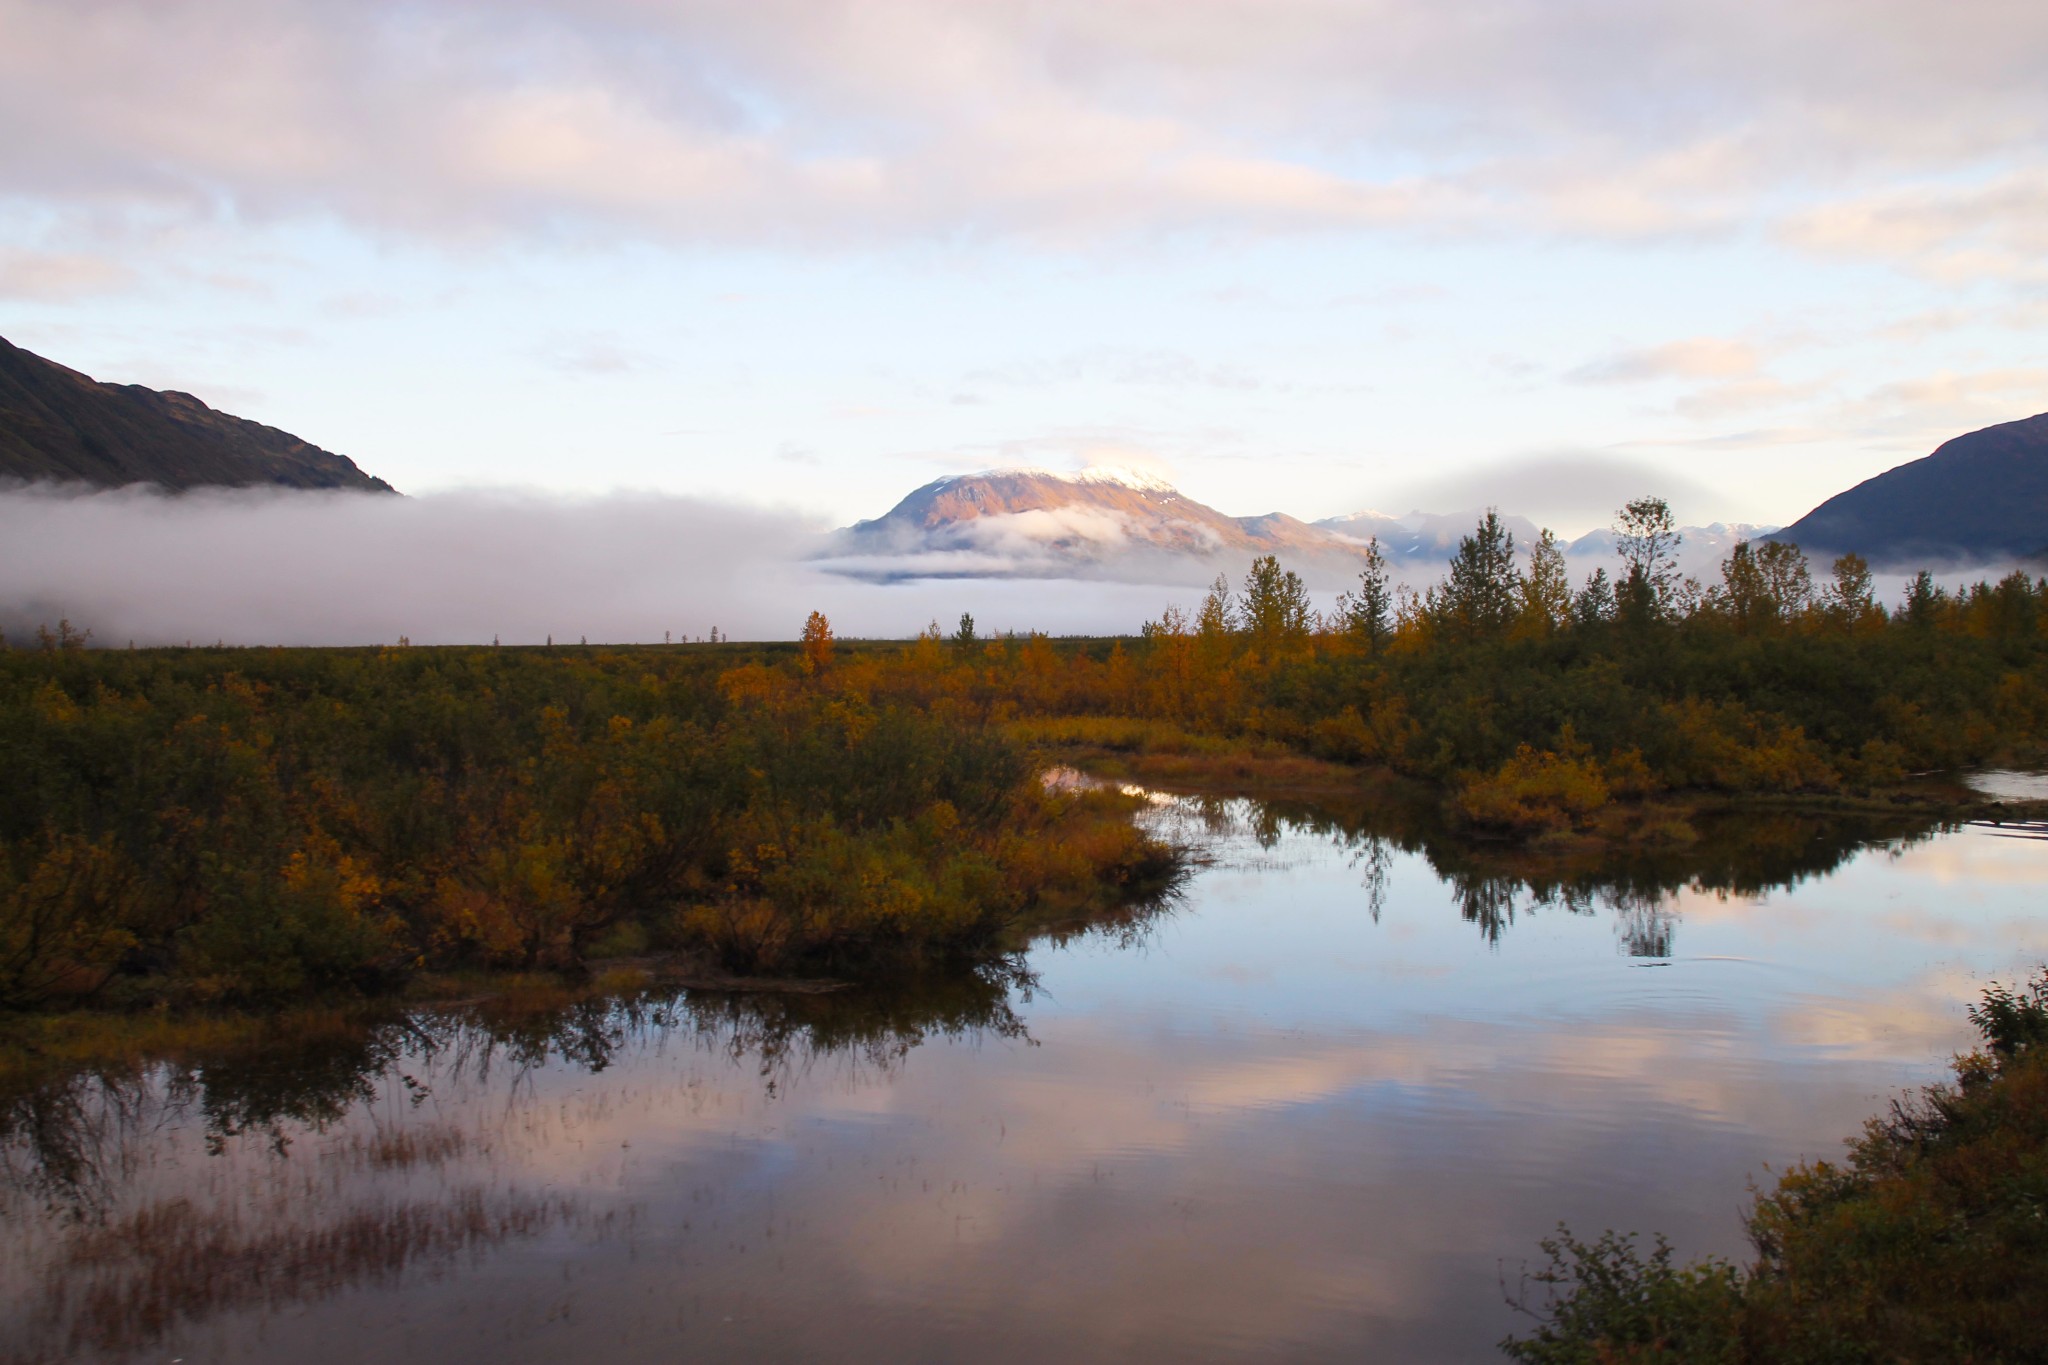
(294, 568)
(253, 568)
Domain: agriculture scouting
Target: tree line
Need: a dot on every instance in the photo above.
(1534, 702)
(253, 823)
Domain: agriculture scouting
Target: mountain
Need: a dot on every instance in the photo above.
(1700, 548)
(1030, 522)
(1979, 497)
(57, 424)
(1422, 535)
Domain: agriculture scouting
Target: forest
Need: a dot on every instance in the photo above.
(249, 825)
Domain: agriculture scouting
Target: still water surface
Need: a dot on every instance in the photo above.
(1319, 1108)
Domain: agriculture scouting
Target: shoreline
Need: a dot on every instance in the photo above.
(37, 1045)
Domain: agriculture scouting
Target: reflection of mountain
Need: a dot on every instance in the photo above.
(57, 424)
(1977, 498)
(1100, 524)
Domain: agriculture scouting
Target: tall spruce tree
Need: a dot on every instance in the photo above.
(1368, 613)
(1485, 587)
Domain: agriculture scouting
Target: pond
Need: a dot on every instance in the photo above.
(1322, 1105)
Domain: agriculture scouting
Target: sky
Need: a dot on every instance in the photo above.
(1295, 255)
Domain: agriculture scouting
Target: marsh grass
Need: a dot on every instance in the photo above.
(130, 1283)
(408, 1147)
(1168, 757)
(386, 1189)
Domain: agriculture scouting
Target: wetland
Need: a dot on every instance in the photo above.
(1319, 1102)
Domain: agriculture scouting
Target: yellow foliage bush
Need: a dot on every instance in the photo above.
(1533, 792)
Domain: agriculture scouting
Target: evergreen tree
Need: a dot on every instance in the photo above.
(1485, 587)
(1595, 603)
(1368, 614)
(1924, 598)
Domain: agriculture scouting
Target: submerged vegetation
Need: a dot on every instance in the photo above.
(130, 1263)
(1928, 1243)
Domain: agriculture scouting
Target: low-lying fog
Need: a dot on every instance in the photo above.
(261, 567)
(276, 567)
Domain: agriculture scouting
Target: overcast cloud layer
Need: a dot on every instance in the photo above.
(1299, 252)
(1892, 128)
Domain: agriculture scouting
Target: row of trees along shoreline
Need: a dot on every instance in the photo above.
(252, 823)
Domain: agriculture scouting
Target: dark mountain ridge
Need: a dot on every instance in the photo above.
(61, 426)
(1977, 498)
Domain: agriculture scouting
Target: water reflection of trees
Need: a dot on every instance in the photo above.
(71, 1141)
(128, 1249)
(1734, 854)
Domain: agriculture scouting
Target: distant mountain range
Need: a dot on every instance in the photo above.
(59, 425)
(1027, 523)
(1980, 497)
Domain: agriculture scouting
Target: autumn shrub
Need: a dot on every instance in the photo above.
(1533, 792)
(820, 896)
(1927, 1243)
(826, 894)
(255, 825)
(66, 907)
(1073, 852)
(317, 922)
(1123, 733)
